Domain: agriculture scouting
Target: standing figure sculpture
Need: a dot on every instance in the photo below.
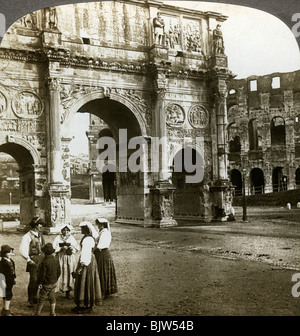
(218, 43)
(158, 25)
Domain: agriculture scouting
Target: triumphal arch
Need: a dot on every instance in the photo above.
(155, 73)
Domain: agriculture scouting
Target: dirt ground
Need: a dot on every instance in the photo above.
(227, 269)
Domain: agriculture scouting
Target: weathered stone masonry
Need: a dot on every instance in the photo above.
(102, 58)
(263, 132)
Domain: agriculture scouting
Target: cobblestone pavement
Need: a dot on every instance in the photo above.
(235, 268)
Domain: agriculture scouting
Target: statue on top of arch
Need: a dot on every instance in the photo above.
(159, 29)
(218, 42)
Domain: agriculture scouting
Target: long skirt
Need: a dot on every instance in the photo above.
(87, 291)
(67, 265)
(106, 271)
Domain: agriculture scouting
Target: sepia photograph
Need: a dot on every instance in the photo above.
(149, 162)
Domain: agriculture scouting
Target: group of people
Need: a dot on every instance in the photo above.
(55, 267)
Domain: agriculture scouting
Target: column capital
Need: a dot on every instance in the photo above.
(54, 84)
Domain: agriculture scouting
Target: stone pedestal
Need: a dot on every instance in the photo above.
(60, 206)
(162, 204)
(222, 192)
(158, 52)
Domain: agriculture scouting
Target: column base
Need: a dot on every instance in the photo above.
(223, 210)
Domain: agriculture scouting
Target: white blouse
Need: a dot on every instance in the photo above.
(71, 240)
(88, 244)
(104, 239)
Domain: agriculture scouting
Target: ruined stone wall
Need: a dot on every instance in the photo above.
(104, 58)
(263, 112)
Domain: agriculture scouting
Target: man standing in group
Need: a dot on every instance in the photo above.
(31, 250)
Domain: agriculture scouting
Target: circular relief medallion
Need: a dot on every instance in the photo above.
(198, 116)
(175, 115)
(3, 104)
(27, 105)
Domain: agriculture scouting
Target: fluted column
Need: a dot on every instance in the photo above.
(221, 123)
(160, 126)
(54, 131)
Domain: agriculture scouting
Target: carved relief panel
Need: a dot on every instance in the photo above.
(192, 40)
(172, 31)
(27, 105)
(198, 116)
(3, 104)
(175, 115)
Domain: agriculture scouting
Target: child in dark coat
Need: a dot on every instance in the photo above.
(48, 273)
(7, 277)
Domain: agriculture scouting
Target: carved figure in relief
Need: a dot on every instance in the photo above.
(218, 42)
(29, 21)
(159, 29)
(175, 115)
(198, 117)
(2, 103)
(52, 18)
(176, 34)
(27, 104)
(170, 38)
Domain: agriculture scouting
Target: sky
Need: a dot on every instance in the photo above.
(256, 43)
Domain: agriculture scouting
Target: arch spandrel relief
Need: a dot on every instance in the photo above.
(73, 97)
(198, 116)
(27, 105)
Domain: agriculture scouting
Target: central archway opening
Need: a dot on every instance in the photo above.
(113, 124)
(193, 192)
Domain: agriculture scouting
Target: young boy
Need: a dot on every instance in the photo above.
(8, 270)
(48, 273)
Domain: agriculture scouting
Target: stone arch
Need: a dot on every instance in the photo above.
(278, 131)
(234, 140)
(252, 134)
(237, 181)
(257, 181)
(27, 158)
(279, 180)
(15, 140)
(104, 93)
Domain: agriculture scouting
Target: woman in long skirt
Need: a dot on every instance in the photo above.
(104, 259)
(66, 246)
(87, 292)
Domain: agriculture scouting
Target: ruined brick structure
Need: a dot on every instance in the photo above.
(109, 59)
(263, 132)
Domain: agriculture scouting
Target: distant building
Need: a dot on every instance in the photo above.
(263, 132)
(9, 180)
(79, 164)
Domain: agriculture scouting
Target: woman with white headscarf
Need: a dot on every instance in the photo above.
(104, 259)
(87, 291)
(66, 246)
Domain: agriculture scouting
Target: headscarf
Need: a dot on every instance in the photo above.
(70, 227)
(103, 220)
(91, 228)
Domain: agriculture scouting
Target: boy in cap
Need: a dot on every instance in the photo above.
(7, 268)
(31, 250)
(48, 273)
